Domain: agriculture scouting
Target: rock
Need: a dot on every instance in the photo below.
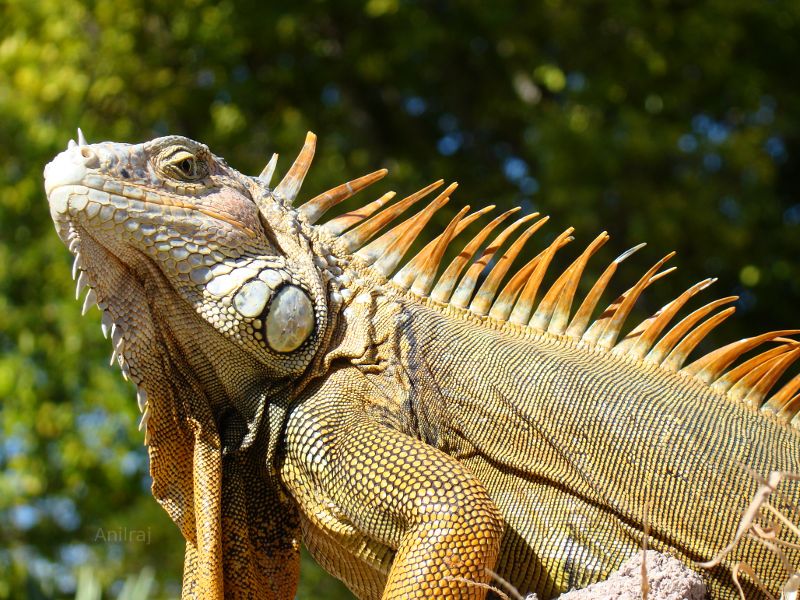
(669, 580)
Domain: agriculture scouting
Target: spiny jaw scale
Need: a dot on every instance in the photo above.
(64, 182)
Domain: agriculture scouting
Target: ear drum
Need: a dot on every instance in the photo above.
(290, 319)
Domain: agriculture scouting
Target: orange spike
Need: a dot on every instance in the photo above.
(674, 335)
(739, 390)
(482, 301)
(379, 247)
(707, 368)
(344, 222)
(724, 383)
(541, 322)
(269, 170)
(790, 409)
(319, 205)
(577, 326)
(759, 391)
(779, 401)
(524, 304)
(749, 381)
(596, 329)
(681, 352)
(289, 186)
(613, 327)
(467, 284)
(505, 302)
(411, 229)
(356, 238)
(643, 336)
(553, 310)
(425, 277)
(795, 422)
(444, 288)
(405, 277)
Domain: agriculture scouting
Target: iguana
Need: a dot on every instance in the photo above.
(416, 426)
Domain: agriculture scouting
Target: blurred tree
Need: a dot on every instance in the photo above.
(667, 121)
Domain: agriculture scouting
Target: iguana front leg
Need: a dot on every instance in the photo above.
(387, 488)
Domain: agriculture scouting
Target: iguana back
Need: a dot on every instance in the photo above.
(579, 446)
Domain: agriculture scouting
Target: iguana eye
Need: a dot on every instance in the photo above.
(185, 165)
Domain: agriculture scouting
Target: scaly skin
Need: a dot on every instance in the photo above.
(411, 444)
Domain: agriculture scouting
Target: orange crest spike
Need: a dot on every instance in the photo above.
(610, 332)
(639, 341)
(742, 388)
(468, 282)
(289, 186)
(269, 170)
(759, 391)
(508, 297)
(444, 288)
(424, 276)
(681, 352)
(342, 223)
(713, 364)
(394, 254)
(675, 335)
(356, 238)
(791, 409)
(560, 318)
(420, 263)
(724, 383)
(483, 299)
(524, 304)
(580, 321)
(553, 310)
(779, 403)
(319, 205)
(397, 241)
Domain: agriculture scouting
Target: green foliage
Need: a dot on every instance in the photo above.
(672, 122)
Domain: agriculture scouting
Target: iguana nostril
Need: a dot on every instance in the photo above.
(89, 157)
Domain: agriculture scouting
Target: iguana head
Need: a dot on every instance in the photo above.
(170, 209)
